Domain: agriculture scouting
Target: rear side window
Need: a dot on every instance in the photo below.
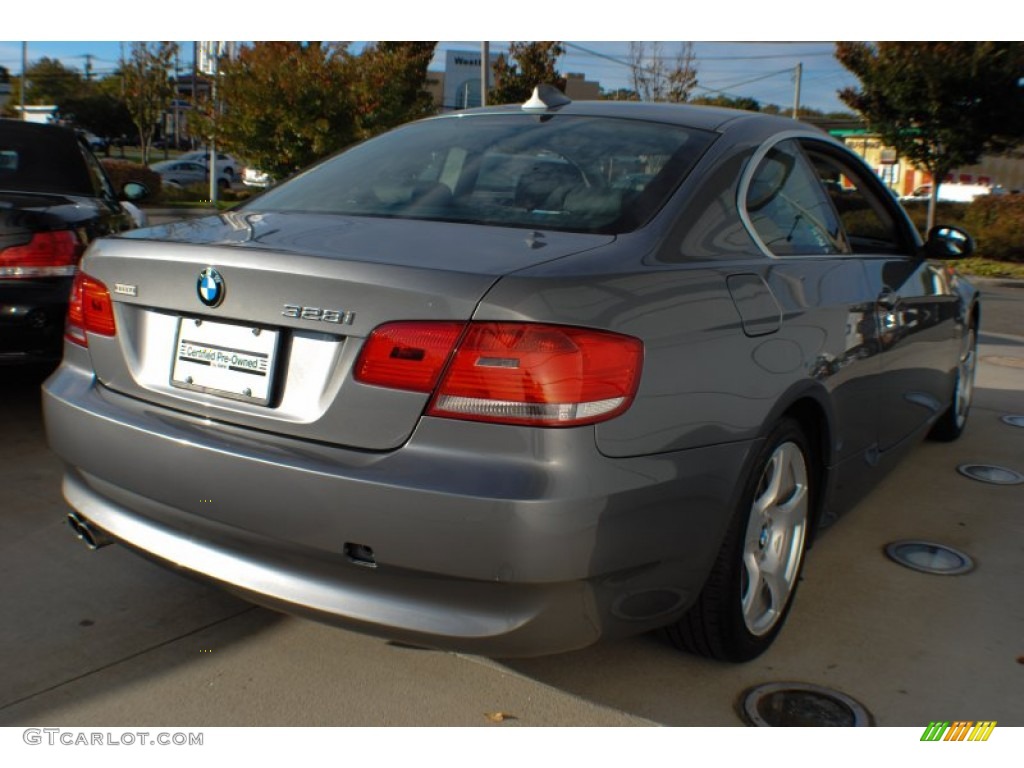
(48, 160)
(561, 172)
(788, 207)
(866, 216)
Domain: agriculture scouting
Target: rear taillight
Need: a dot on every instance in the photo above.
(89, 310)
(407, 355)
(509, 373)
(47, 254)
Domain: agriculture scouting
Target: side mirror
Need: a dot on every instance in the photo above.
(134, 191)
(945, 242)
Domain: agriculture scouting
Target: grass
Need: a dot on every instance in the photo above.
(979, 266)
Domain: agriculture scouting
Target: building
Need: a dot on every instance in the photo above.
(458, 85)
(900, 174)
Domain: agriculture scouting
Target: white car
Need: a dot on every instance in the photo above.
(227, 165)
(953, 192)
(254, 177)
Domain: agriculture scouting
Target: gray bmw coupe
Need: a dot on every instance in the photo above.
(515, 379)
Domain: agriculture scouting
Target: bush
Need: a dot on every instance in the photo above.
(945, 213)
(997, 225)
(121, 172)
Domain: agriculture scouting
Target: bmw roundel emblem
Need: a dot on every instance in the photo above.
(210, 287)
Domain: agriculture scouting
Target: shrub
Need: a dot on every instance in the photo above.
(945, 213)
(121, 172)
(997, 225)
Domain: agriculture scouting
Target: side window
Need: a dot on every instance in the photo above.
(867, 221)
(788, 207)
(101, 185)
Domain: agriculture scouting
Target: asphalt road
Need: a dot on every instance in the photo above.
(1003, 305)
(107, 638)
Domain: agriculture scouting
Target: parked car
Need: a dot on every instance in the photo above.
(184, 173)
(952, 192)
(54, 200)
(95, 143)
(227, 165)
(254, 177)
(514, 379)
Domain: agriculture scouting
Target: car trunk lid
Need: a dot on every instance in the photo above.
(299, 294)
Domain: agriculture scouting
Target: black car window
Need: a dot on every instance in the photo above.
(563, 172)
(38, 159)
(788, 208)
(101, 184)
(867, 218)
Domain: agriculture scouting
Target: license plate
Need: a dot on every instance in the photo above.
(234, 361)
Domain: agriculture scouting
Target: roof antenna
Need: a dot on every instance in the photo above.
(546, 97)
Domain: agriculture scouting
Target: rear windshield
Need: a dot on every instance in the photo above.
(42, 161)
(561, 172)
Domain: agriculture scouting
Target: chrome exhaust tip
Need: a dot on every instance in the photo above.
(92, 537)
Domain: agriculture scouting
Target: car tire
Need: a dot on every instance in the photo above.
(952, 422)
(750, 589)
(223, 184)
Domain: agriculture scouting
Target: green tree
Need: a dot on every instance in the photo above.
(103, 114)
(940, 104)
(50, 82)
(730, 102)
(527, 66)
(147, 87)
(286, 105)
(389, 85)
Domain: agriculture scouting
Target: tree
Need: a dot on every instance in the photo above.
(50, 82)
(940, 104)
(527, 66)
(148, 90)
(103, 114)
(657, 78)
(390, 85)
(286, 105)
(730, 102)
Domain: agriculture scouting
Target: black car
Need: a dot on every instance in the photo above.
(54, 200)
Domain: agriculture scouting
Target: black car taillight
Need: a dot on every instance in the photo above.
(89, 310)
(47, 254)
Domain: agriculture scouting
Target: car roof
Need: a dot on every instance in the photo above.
(690, 115)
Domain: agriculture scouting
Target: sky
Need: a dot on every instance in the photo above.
(734, 42)
(764, 71)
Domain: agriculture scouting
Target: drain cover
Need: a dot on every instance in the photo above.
(987, 473)
(1014, 421)
(928, 557)
(801, 705)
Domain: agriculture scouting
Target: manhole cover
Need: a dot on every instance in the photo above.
(801, 705)
(1014, 421)
(929, 557)
(987, 473)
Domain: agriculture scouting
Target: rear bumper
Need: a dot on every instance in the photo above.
(493, 540)
(32, 319)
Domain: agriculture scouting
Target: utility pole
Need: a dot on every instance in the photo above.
(796, 96)
(24, 76)
(88, 66)
(485, 61)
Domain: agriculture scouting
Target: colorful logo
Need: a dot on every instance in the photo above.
(961, 730)
(210, 287)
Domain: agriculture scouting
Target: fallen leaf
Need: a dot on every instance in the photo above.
(499, 717)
